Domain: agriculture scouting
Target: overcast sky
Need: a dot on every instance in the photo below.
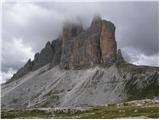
(26, 27)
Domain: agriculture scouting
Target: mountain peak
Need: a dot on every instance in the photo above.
(81, 68)
(79, 48)
(48, 44)
(71, 30)
(96, 18)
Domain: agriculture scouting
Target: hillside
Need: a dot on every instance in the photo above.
(80, 68)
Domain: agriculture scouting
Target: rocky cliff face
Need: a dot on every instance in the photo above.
(78, 48)
(108, 44)
(40, 59)
(80, 68)
(24, 70)
(96, 45)
(45, 56)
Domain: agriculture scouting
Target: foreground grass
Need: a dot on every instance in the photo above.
(112, 112)
(148, 110)
(25, 114)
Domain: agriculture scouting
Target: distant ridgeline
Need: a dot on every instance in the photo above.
(77, 48)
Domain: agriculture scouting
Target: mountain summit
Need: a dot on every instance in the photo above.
(77, 48)
(80, 68)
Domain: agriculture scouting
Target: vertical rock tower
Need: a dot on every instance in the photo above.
(105, 77)
(96, 45)
(77, 48)
(108, 44)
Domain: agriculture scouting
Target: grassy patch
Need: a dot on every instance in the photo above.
(24, 114)
(112, 112)
(148, 91)
(100, 112)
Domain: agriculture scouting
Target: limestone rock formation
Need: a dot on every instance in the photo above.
(71, 30)
(57, 47)
(94, 86)
(40, 59)
(79, 48)
(107, 41)
(24, 70)
(96, 45)
(80, 68)
(45, 56)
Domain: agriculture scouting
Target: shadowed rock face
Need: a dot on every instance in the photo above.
(96, 45)
(24, 70)
(71, 30)
(107, 41)
(57, 47)
(40, 59)
(45, 56)
(77, 48)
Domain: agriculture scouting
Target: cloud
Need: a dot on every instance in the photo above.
(32, 24)
(15, 54)
(4, 76)
(136, 22)
(136, 57)
(147, 60)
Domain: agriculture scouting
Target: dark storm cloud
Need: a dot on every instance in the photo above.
(136, 22)
(28, 26)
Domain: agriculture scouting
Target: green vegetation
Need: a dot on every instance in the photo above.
(125, 111)
(112, 112)
(148, 109)
(140, 84)
(24, 114)
(147, 91)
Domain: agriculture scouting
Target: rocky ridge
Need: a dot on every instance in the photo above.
(77, 48)
(80, 68)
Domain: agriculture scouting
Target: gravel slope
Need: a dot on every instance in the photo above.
(69, 88)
